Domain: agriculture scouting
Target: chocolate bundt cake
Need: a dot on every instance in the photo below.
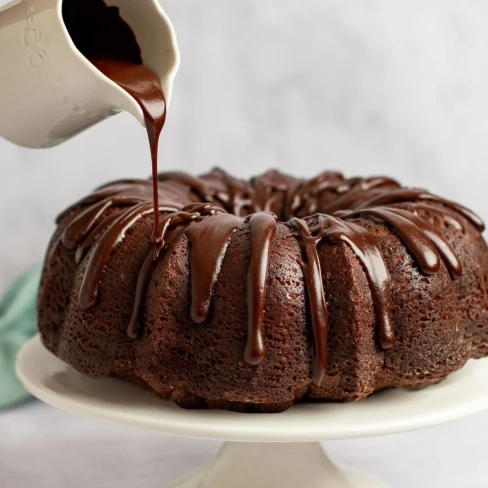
(254, 295)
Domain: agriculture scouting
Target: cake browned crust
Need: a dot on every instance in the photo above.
(328, 289)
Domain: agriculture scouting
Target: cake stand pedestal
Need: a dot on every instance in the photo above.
(270, 465)
(275, 450)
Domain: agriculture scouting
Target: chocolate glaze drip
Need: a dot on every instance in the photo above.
(171, 221)
(314, 285)
(263, 228)
(448, 215)
(83, 223)
(366, 248)
(103, 218)
(209, 240)
(421, 239)
(411, 195)
(102, 249)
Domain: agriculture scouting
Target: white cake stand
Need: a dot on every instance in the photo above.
(276, 450)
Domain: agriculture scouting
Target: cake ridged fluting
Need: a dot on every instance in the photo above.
(256, 294)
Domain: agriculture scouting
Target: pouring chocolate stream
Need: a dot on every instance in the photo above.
(107, 41)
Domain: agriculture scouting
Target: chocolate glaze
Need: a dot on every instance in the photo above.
(209, 240)
(171, 221)
(409, 195)
(314, 284)
(425, 243)
(366, 248)
(262, 226)
(103, 218)
(102, 249)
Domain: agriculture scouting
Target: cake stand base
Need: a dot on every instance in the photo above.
(269, 465)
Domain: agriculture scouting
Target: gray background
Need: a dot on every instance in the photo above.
(368, 87)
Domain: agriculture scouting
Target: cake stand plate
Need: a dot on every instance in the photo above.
(262, 450)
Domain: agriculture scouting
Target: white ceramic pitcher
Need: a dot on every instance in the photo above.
(49, 91)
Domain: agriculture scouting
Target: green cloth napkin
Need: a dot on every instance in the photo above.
(18, 323)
